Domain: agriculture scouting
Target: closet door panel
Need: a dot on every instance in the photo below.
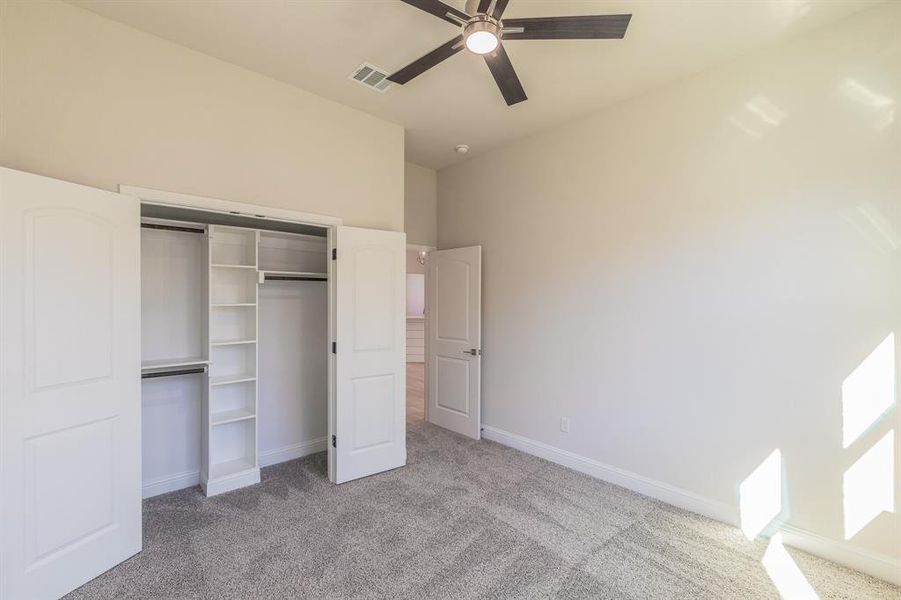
(69, 384)
(67, 255)
(369, 424)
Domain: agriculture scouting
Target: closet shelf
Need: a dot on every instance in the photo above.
(231, 304)
(166, 363)
(230, 416)
(228, 379)
(231, 467)
(232, 342)
(227, 266)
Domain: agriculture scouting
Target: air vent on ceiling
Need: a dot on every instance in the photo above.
(372, 77)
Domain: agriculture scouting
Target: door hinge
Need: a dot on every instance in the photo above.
(334, 254)
(334, 441)
(334, 347)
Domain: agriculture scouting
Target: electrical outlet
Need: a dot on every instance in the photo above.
(564, 424)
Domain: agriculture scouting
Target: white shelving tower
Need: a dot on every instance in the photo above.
(229, 445)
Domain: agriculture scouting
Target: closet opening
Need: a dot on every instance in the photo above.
(235, 346)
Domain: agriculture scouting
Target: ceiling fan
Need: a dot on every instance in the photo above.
(483, 31)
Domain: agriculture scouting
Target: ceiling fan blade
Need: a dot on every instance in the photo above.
(567, 28)
(424, 63)
(499, 7)
(502, 69)
(439, 9)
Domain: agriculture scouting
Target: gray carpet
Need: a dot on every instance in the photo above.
(464, 519)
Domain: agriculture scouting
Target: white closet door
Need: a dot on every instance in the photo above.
(70, 388)
(369, 413)
(455, 338)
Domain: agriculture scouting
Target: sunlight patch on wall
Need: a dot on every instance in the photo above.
(881, 225)
(868, 391)
(784, 572)
(882, 105)
(765, 110)
(869, 486)
(760, 495)
(758, 116)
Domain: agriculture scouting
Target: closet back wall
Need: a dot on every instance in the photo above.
(89, 100)
(293, 363)
(173, 317)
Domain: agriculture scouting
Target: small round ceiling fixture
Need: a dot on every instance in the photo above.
(461, 148)
(482, 34)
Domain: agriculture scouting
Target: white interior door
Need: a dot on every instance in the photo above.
(368, 414)
(454, 330)
(70, 388)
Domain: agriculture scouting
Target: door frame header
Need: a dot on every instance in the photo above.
(178, 200)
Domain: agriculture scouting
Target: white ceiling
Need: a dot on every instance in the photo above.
(316, 44)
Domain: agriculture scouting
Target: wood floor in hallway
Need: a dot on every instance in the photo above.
(415, 393)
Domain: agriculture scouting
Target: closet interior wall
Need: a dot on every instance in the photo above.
(173, 331)
(254, 305)
(294, 347)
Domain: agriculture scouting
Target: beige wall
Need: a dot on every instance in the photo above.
(89, 100)
(420, 204)
(692, 275)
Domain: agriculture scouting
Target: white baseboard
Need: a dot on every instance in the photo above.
(637, 483)
(286, 453)
(877, 565)
(188, 479)
(172, 483)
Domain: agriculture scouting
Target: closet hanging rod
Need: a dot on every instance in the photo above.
(173, 228)
(173, 373)
(293, 278)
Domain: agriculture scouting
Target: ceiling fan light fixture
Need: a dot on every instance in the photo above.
(481, 35)
(481, 42)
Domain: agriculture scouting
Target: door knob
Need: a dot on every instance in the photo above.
(473, 351)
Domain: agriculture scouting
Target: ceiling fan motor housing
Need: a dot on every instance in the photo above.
(482, 23)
